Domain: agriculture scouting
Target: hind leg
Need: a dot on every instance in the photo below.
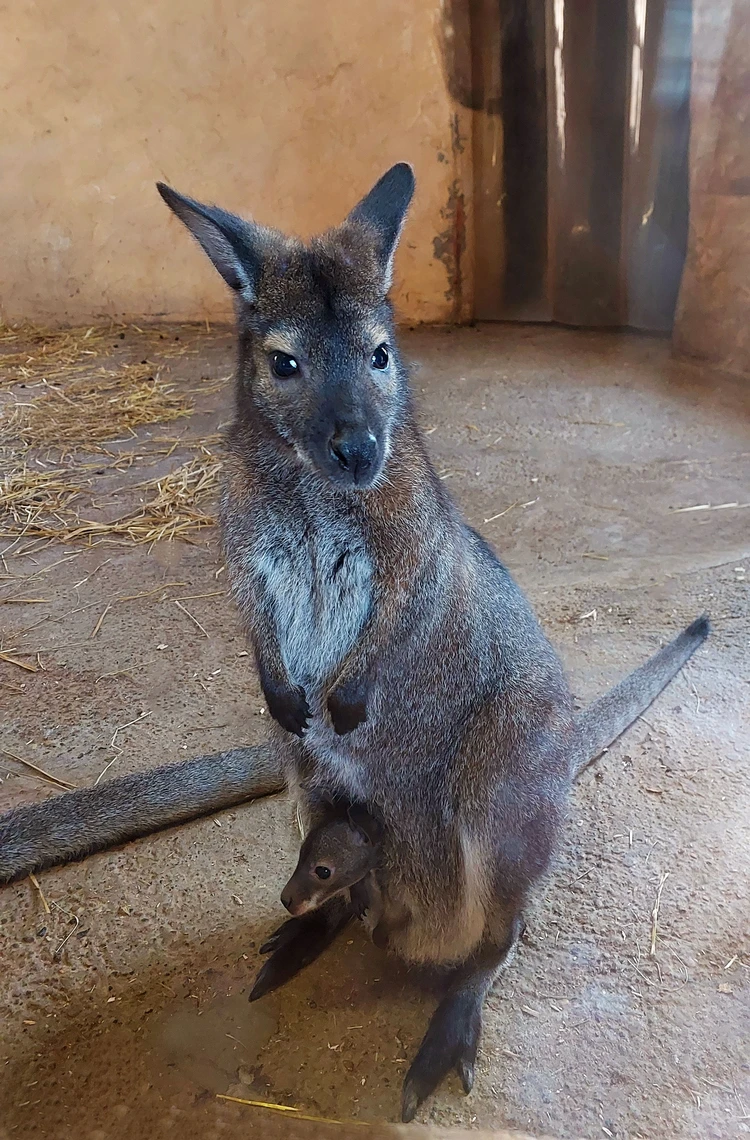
(297, 943)
(452, 1038)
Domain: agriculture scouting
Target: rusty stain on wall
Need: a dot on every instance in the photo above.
(450, 244)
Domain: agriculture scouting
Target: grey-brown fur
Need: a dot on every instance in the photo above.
(72, 826)
(405, 668)
(339, 856)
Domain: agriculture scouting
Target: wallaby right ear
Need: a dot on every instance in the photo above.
(365, 827)
(383, 212)
(231, 243)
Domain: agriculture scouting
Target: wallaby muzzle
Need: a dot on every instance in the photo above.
(295, 900)
(356, 455)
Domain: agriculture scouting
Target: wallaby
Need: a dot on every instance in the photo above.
(337, 856)
(404, 667)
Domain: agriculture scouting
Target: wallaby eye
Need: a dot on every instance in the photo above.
(283, 365)
(323, 872)
(379, 358)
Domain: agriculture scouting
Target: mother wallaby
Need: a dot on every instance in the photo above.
(402, 664)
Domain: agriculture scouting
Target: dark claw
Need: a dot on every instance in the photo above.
(360, 900)
(281, 937)
(409, 1104)
(290, 708)
(286, 961)
(272, 975)
(466, 1073)
(287, 703)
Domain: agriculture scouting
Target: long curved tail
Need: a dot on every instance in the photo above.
(79, 823)
(71, 826)
(608, 717)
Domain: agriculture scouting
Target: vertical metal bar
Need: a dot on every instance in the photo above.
(587, 92)
(525, 142)
(655, 179)
(487, 138)
(580, 135)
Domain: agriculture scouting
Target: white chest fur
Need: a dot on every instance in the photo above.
(318, 585)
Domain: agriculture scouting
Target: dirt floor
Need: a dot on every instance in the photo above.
(576, 454)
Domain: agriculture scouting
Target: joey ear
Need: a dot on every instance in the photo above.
(383, 212)
(367, 831)
(231, 243)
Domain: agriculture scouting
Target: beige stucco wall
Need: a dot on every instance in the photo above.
(286, 110)
(712, 322)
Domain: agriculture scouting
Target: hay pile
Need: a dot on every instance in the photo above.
(91, 410)
(76, 407)
(48, 505)
(27, 353)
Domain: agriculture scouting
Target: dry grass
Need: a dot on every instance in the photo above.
(93, 409)
(25, 492)
(83, 398)
(29, 354)
(45, 505)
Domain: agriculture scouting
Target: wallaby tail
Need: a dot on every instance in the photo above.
(76, 824)
(603, 721)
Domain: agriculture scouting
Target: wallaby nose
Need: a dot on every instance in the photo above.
(287, 899)
(354, 451)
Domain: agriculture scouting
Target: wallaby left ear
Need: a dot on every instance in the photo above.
(383, 212)
(233, 245)
(367, 830)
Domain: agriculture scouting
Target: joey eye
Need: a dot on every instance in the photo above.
(379, 358)
(323, 872)
(283, 365)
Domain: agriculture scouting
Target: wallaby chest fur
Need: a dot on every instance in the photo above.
(307, 562)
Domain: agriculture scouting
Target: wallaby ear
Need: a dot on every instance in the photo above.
(230, 242)
(367, 831)
(383, 212)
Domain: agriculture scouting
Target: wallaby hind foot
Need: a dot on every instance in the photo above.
(297, 943)
(452, 1037)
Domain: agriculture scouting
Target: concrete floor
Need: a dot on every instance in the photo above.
(572, 453)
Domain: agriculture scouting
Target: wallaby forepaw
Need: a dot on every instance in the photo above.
(289, 707)
(360, 900)
(347, 706)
